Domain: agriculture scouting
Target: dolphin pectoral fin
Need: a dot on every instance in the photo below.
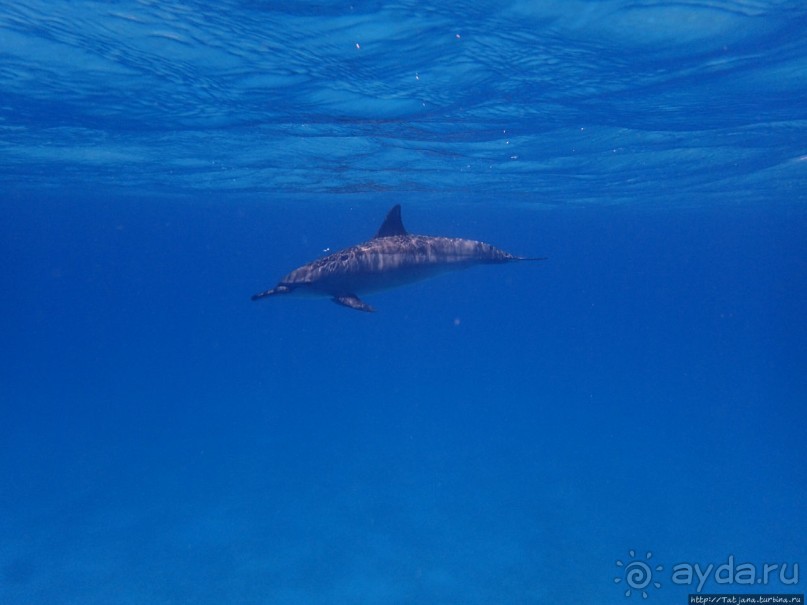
(354, 302)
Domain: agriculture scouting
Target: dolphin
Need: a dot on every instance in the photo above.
(392, 258)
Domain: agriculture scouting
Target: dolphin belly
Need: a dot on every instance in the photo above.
(368, 282)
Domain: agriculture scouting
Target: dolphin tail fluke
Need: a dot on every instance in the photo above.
(353, 302)
(271, 292)
(260, 295)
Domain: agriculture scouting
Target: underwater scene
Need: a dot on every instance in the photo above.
(529, 286)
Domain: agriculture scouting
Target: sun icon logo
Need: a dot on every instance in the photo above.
(638, 574)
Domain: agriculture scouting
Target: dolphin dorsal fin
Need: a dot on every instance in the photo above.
(392, 225)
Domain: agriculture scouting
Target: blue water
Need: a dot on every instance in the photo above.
(500, 435)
